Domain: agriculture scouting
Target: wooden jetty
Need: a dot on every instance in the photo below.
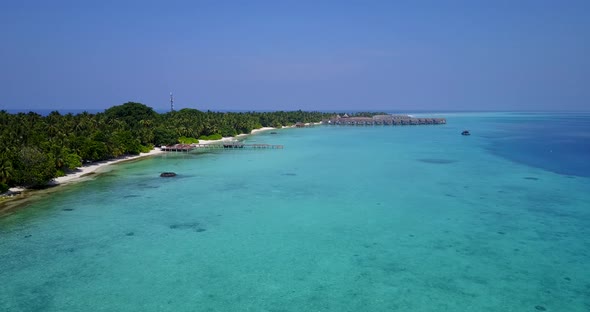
(386, 120)
(222, 145)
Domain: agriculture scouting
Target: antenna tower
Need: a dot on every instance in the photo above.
(171, 102)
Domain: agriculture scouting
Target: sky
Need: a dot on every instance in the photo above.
(287, 55)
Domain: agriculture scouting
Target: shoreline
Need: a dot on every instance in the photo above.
(81, 173)
(21, 196)
(239, 136)
(18, 196)
(99, 166)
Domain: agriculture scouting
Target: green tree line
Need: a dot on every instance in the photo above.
(35, 148)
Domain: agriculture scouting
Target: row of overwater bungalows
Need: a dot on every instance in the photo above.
(391, 120)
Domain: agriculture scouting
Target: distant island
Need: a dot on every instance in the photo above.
(37, 149)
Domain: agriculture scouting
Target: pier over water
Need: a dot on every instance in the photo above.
(389, 120)
(224, 145)
(377, 120)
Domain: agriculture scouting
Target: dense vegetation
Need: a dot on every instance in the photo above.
(35, 149)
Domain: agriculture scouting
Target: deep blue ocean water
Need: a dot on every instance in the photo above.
(412, 218)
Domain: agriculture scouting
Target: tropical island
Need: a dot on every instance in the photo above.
(37, 149)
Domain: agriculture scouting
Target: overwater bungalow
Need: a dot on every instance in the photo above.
(383, 120)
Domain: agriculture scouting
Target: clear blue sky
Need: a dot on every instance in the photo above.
(321, 55)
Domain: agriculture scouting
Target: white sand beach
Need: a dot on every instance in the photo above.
(99, 166)
(13, 198)
(226, 139)
(17, 196)
(86, 171)
(262, 129)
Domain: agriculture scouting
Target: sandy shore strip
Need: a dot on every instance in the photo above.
(262, 129)
(85, 171)
(18, 196)
(99, 166)
(229, 139)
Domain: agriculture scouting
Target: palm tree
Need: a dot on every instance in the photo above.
(5, 169)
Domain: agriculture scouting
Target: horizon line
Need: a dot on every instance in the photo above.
(418, 110)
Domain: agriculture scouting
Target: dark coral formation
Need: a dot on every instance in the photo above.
(437, 161)
(188, 226)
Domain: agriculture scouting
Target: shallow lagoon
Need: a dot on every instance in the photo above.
(415, 218)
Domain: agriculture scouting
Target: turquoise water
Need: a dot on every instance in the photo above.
(415, 218)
